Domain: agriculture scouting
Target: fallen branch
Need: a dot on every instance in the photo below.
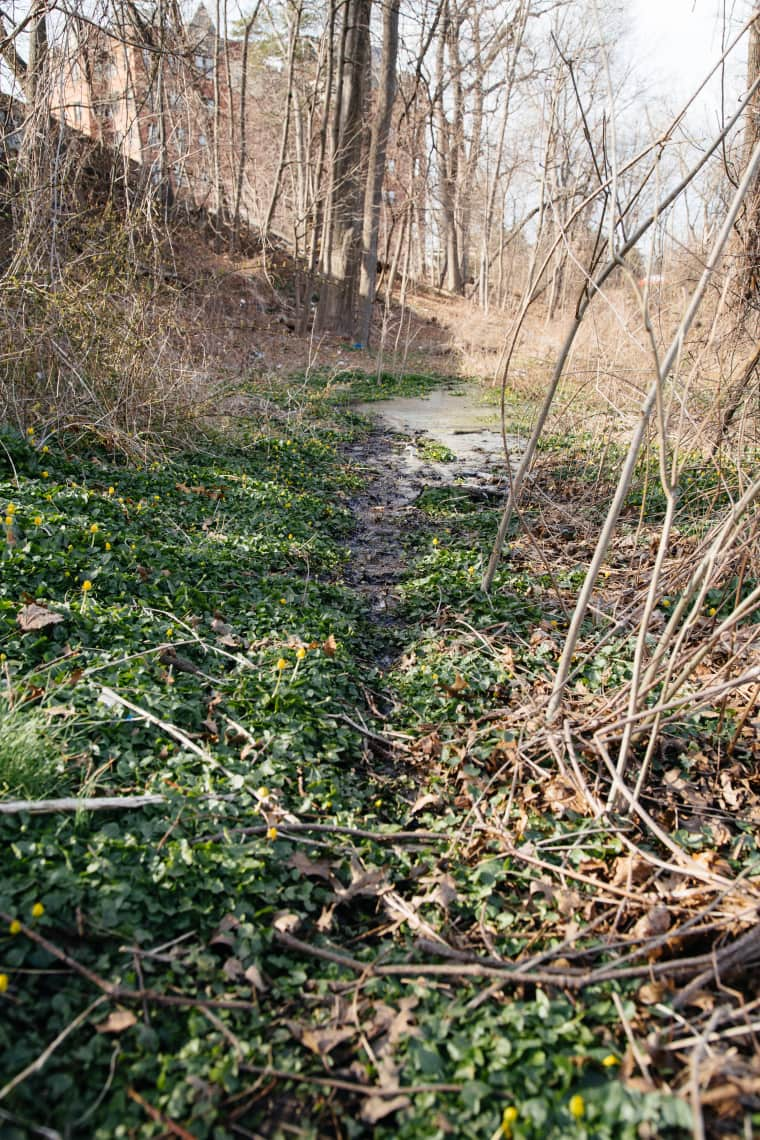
(47, 1052)
(157, 1117)
(728, 958)
(283, 829)
(349, 1086)
(77, 803)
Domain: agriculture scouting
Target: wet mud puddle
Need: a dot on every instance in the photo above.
(401, 458)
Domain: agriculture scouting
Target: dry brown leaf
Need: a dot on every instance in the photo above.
(286, 922)
(230, 641)
(325, 920)
(568, 902)
(651, 992)
(374, 1108)
(254, 975)
(445, 892)
(429, 746)
(233, 968)
(428, 800)
(323, 1039)
(712, 861)
(117, 1021)
(398, 1023)
(653, 923)
(330, 646)
(372, 882)
(33, 617)
(223, 935)
(458, 685)
(730, 796)
(630, 870)
(312, 868)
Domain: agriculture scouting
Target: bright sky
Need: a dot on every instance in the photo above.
(677, 41)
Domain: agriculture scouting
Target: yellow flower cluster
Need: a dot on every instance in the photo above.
(577, 1106)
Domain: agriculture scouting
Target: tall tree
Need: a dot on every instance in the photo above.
(376, 169)
(341, 236)
(750, 268)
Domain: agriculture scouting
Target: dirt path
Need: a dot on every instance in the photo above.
(392, 457)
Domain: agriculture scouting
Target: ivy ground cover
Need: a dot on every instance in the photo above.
(250, 950)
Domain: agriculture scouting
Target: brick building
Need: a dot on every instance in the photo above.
(151, 94)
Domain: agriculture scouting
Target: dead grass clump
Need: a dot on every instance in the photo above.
(103, 346)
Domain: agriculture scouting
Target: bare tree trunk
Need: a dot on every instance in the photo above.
(341, 237)
(750, 267)
(295, 26)
(447, 160)
(38, 48)
(376, 170)
(243, 151)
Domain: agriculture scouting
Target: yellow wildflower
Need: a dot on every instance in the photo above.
(44, 474)
(9, 520)
(30, 431)
(271, 833)
(45, 449)
(508, 1118)
(38, 910)
(712, 611)
(86, 586)
(610, 1061)
(300, 652)
(282, 664)
(10, 509)
(435, 542)
(3, 983)
(108, 546)
(111, 490)
(94, 528)
(577, 1106)
(262, 793)
(14, 927)
(38, 520)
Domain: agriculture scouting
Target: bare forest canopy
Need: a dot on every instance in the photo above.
(496, 150)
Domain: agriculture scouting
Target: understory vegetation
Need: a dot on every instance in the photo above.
(311, 873)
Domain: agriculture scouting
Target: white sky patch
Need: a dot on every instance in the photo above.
(676, 42)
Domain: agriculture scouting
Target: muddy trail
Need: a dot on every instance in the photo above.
(441, 441)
